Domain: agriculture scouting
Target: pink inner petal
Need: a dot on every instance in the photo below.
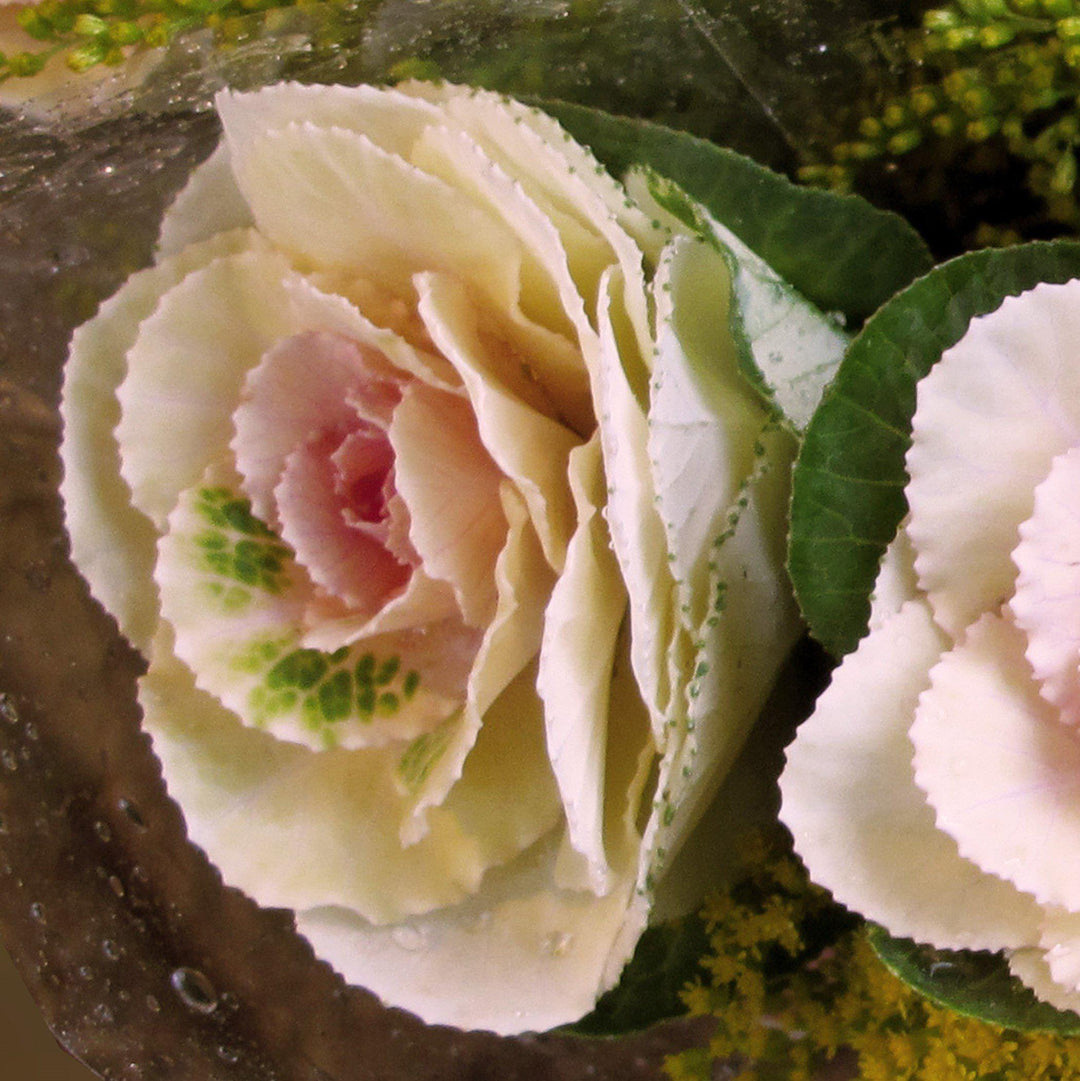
(307, 384)
(350, 563)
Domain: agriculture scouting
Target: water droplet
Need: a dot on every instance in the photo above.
(132, 812)
(195, 990)
(11, 763)
(557, 943)
(102, 1015)
(86, 973)
(409, 938)
(116, 885)
(37, 912)
(102, 830)
(111, 950)
(228, 1054)
(152, 1004)
(8, 712)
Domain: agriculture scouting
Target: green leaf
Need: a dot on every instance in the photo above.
(837, 250)
(848, 495)
(972, 983)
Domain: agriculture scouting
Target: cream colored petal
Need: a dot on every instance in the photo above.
(530, 956)
(551, 298)
(333, 200)
(236, 601)
(1046, 604)
(451, 487)
(581, 631)
(1001, 773)
(991, 416)
(209, 203)
(293, 827)
(112, 543)
(524, 582)
(186, 369)
(391, 120)
(528, 446)
(863, 828)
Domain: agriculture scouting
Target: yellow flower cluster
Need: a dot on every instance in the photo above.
(795, 985)
(991, 84)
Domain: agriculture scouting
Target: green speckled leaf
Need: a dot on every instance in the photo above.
(973, 983)
(848, 495)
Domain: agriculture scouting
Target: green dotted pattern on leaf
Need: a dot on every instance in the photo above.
(848, 489)
(327, 687)
(837, 250)
(973, 983)
(239, 548)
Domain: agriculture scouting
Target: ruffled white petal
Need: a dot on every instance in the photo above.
(247, 798)
(1046, 604)
(1001, 774)
(186, 369)
(524, 581)
(332, 198)
(637, 534)
(208, 204)
(531, 957)
(581, 631)
(112, 543)
(1030, 966)
(992, 415)
(862, 826)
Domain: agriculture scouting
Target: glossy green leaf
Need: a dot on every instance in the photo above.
(972, 983)
(848, 496)
(837, 250)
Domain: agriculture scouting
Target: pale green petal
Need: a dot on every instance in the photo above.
(992, 414)
(186, 369)
(236, 601)
(530, 956)
(863, 828)
(721, 472)
(112, 543)
(528, 446)
(1002, 774)
(581, 630)
(794, 347)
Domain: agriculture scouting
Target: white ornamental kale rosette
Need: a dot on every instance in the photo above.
(936, 787)
(421, 469)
